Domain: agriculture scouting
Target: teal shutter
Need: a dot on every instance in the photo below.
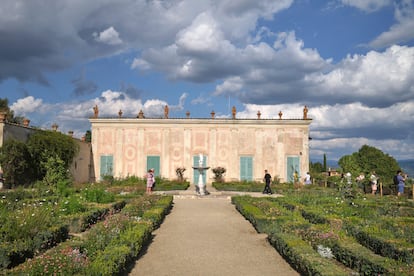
(246, 168)
(292, 166)
(153, 162)
(107, 163)
(196, 173)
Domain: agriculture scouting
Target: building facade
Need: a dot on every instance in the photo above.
(244, 147)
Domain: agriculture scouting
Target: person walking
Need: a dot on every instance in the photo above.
(150, 181)
(267, 178)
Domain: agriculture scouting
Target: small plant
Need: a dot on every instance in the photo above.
(180, 174)
(218, 174)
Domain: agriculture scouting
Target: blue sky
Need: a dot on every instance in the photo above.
(350, 61)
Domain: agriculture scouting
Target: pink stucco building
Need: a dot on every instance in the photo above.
(244, 147)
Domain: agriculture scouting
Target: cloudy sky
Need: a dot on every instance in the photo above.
(350, 61)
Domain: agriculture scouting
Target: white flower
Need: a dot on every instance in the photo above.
(325, 252)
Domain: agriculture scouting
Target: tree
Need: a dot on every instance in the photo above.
(45, 144)
(316, 167)
(349, 163)
(369, 159)
(88, 136)
(324, 163)
(16, 162)
(4, 107)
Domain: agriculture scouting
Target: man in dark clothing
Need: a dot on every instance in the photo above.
(267, 178)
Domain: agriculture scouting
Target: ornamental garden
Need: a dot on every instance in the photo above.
(101, 229)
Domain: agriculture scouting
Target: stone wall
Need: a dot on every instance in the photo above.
(81, 169)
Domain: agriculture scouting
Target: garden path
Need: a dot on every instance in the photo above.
(207, 236)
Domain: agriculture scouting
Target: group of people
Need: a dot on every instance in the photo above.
(373, 179)
(399, 181)
(268, 178)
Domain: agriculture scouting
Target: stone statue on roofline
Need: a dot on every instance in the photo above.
(95, 111)
(166, 110)
(305, 113)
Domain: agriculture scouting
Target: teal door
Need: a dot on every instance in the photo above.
(292, 167)
(246, 168)
(107, 163)
(153, 162)
(196, 173)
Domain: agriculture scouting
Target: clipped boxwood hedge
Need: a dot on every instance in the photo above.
(306, 228)
(302, 257)
(110, 255)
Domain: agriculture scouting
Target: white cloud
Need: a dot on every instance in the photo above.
(109, 36)
(367, 5)
(402, 31)
(377, 78)
(343, 129)
(202, 36)
(26, 105)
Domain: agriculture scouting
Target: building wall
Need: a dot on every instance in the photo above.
(81, 168)
(177, 142)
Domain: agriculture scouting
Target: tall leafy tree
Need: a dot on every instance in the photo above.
(45, 144)
(316, 167)
(324, 163)
(369, 159)
(16, 162)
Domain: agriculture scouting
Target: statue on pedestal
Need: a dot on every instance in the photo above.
(95, 111)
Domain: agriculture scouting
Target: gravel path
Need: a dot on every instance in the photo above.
(208, 236)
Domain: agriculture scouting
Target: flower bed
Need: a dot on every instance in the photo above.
(309, 228)
(108, 246)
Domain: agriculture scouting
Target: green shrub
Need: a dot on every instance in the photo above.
(71, 205)
(242, 186)
(93, 217)
(98, 195)
(101, 234)
(110, 261)
(302, 257)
